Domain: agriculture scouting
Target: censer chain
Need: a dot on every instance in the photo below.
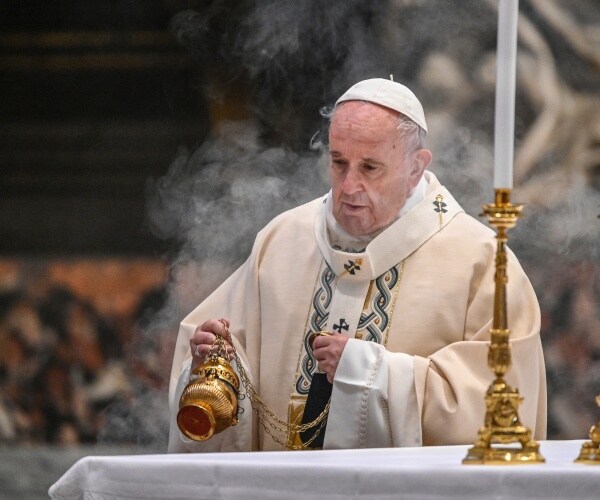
(269, 421)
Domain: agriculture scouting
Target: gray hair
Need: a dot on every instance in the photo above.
(413, 135)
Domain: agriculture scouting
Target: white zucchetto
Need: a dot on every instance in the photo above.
(390, 94)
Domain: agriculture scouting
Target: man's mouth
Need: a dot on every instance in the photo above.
(350, 207)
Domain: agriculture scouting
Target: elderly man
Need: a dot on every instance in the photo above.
(399, 276)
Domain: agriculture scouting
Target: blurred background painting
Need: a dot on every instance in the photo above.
(143, 143)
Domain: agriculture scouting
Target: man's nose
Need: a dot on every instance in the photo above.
(352, 182)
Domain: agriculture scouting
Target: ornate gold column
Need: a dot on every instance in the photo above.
(502, 425)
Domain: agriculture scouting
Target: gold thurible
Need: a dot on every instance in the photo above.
(209, 402)
(590, 450)
(502, 426)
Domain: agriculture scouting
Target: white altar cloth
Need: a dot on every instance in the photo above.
(423, 473)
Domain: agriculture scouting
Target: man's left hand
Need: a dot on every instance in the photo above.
(327, 350)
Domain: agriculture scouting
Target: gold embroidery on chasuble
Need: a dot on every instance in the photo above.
(373, 326)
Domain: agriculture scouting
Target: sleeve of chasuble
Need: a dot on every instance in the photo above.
(237, 300)
(451, 383)
(385, 398)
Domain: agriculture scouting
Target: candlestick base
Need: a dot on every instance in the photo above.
(590, 450)
(503, 427)
(502, 439)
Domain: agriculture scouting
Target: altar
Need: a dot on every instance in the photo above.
(427, 472)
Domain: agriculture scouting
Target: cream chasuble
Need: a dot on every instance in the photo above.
(417, 304)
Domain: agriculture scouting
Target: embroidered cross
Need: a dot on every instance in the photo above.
(440, 206)
(342, 326)
(353, 266)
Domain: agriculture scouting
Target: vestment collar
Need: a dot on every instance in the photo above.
(395, 243)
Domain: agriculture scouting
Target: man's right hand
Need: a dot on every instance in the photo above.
(204, 337)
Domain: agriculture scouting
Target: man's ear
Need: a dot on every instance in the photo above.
(420, 161)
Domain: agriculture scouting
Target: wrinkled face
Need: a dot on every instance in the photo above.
(371, 174)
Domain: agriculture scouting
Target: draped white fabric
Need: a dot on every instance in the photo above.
(376, 473)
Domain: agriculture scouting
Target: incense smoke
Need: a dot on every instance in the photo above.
(292, 58)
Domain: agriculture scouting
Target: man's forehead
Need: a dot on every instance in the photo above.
(370, 157)
(366, 122)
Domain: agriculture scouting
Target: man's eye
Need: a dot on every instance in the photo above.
(369, 168)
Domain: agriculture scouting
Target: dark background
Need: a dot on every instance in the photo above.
(96, 99)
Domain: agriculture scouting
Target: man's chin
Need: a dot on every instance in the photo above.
(353, 226)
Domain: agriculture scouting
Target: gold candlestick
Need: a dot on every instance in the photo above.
(502, 425)
(590, 450)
